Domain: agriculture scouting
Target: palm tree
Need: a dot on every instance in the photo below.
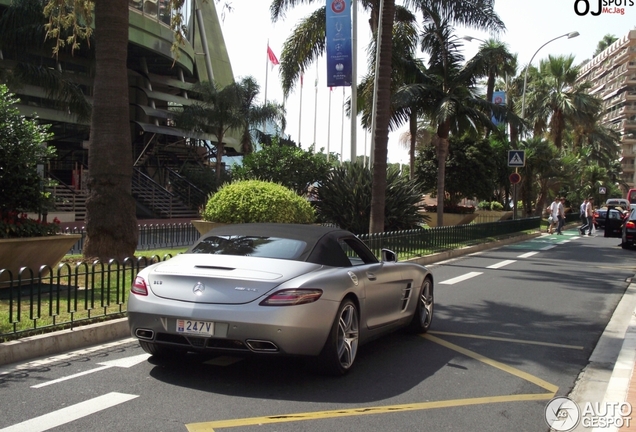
(556, 99)
(110, 233)
(217, 111)
(494, 60)
(607, 40)
(447, 93)
(253, 114)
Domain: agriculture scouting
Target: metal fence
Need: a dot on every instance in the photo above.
(151, 237)
(86, 292)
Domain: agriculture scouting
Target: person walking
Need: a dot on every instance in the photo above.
(554, 213)
(582, 212)
(589, 214)
(560, 215)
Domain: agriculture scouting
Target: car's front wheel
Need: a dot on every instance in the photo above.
(423, 315)
(340, 350)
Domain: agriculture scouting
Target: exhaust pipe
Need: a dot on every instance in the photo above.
(145, 334)
(261, 345)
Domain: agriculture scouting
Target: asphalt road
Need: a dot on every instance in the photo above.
(513, 327)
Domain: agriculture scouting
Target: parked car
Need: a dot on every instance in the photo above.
(615, 224)
(629, 230)
(278, 289)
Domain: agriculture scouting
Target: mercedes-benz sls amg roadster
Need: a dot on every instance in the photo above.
(278, 289)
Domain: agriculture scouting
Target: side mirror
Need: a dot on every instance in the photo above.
(389, 256)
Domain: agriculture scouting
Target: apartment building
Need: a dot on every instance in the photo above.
(613, 73)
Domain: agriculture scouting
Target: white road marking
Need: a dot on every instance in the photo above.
(460, 278)
(65, 357)
(70, 413)
(528, 254)
(501, 264)
(548, 247)
(125, 362)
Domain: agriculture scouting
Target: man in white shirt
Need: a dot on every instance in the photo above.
(554, 213)
(582, 212)
(560, 215)
(589, 213)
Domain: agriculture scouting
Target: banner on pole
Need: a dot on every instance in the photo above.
(339, 61)
(498, 98)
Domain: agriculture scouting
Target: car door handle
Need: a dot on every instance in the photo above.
(371, 276)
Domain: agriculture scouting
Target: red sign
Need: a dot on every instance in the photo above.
(515, 178)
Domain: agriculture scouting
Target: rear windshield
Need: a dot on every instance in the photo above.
(264, 247)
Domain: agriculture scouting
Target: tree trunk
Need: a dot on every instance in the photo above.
(111, 225)
(220, 148)
(383, 114)
(441, 144)
(413, 132)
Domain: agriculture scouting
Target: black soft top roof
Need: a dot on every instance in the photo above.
(321, 242)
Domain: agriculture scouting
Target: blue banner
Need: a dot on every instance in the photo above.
(338, 43)
(499, 98)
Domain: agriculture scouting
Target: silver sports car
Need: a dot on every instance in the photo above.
(278, 289)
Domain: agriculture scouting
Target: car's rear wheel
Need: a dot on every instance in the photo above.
(160, 351)
(423, 315)
(340, 350)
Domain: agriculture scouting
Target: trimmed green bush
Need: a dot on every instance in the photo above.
(496, 205)
(251, 201)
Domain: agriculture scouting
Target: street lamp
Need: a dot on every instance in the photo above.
(471, 38)
(525, 78)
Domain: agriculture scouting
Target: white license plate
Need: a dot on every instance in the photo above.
(195, 327)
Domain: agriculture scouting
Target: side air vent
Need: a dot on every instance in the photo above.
(406, 294)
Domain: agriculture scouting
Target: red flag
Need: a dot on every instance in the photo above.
(271, 56)
(301, 79)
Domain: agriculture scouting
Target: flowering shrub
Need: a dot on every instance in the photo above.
(14, 224)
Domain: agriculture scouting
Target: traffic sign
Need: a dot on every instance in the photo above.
(602, 190)
(515, 178)
(516, 158)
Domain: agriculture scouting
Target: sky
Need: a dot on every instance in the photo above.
(314, 114)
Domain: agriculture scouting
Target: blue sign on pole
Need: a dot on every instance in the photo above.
(339, 61)
(516, 158)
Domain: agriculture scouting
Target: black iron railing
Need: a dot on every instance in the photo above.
(53, 298)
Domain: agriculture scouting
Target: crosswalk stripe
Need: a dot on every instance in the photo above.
(460, 278)
(70, 413)
(501, 264)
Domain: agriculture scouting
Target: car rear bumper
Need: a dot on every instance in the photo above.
(249, 328)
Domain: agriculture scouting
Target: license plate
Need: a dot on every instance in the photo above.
(195, 327)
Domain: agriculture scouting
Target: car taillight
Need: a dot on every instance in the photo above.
(139, 287)
(290, 297)
(630, 225)
(596, 215)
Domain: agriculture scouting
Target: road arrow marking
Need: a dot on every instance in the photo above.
(126, 362)
(70, 413)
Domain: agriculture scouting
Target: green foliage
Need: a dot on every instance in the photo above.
(21, 149)
(344, 199)
(470, 168)
(487, 205)
(497, 206)
(292, 167)
(250, 201)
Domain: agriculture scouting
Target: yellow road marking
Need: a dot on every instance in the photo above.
(494, 363)
(500, 339)
(317, 415)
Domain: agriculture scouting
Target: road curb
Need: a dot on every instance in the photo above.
(63, 340)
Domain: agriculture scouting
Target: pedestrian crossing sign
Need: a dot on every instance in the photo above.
(516, 158)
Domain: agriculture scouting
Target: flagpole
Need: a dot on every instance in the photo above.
(266, 71)
(315, 107)
(342, 122)
(354, 79)
(300, 111)
(329, 124)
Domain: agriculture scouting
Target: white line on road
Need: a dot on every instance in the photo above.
(548, 247)
(501, 264)
(70, 413)
(528, 254)
(460, 278)
(125, 362)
